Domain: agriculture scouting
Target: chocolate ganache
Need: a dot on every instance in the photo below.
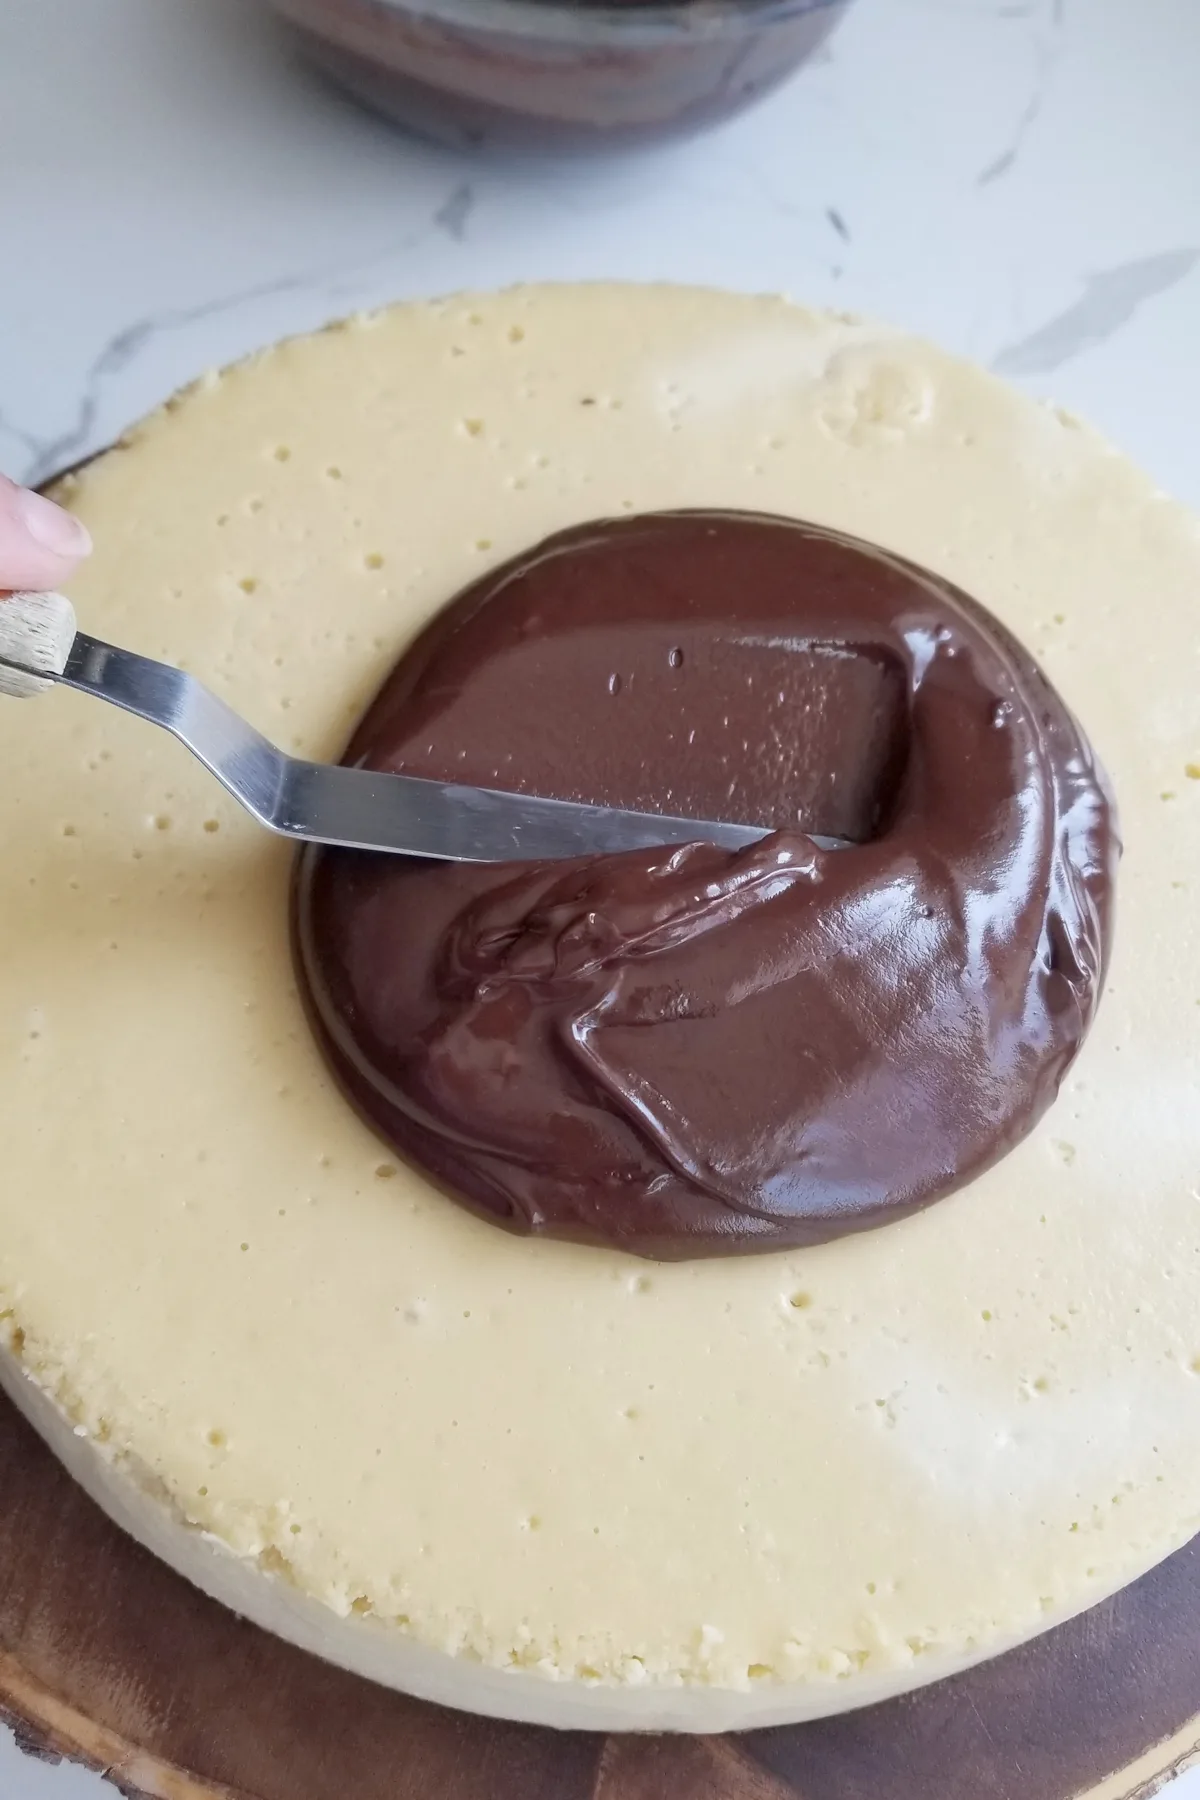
(692, 1051)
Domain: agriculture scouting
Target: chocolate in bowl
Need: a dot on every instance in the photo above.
(559, 74)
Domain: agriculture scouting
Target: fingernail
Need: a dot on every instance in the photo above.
(48, 525)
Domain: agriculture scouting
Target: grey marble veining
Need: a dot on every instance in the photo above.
(1110, 298)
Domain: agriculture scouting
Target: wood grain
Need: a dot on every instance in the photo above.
(109, 1658)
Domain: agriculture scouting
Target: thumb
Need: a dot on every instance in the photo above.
(39, 542)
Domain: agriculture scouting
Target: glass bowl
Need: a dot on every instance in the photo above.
(559, 74)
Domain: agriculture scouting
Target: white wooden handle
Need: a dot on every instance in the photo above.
(36, 634)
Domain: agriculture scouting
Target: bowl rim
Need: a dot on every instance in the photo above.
(567, 21)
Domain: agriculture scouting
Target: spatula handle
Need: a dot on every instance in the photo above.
(36, 634)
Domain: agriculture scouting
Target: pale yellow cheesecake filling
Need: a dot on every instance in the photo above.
(555, 1482)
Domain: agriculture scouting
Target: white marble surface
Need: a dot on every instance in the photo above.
(1019, 178)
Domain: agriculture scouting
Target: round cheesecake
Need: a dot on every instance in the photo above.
(550, 1480)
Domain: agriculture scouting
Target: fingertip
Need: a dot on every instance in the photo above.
(40, 542)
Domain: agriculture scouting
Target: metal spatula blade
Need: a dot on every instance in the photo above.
(319, 802)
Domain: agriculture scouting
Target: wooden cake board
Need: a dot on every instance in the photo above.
(109, 1658)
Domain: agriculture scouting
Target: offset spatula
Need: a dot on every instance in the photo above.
(320, 802)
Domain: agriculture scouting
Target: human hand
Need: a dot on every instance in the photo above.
(39, 542)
